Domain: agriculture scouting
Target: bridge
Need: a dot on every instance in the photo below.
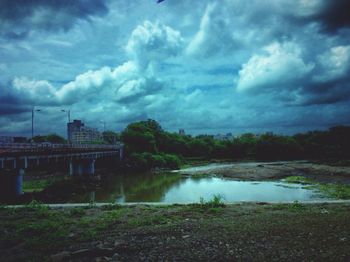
(15, 158)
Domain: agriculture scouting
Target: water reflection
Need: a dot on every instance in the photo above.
(173, 188)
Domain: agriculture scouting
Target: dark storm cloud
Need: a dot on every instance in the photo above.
(10, 102)
(332, 15)
(19, 17)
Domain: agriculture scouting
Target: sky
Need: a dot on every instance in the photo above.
(205, 66)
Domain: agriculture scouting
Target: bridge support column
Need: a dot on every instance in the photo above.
(11, 183)
(121, 153)
(82, 167)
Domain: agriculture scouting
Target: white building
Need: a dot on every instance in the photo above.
(78, 133)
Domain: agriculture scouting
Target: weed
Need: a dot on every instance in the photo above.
(197, 176)
(77, 212)
(338, 191)
(296, 206)
(148, 220)
(215, 202)
(37, 205)
(110, 207)
(298, 180)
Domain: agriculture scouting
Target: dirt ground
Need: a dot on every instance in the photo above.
(276, 170)
(244, 232)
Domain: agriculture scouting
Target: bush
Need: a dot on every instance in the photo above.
(145, 161)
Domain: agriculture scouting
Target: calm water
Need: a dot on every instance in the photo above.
(174, 188)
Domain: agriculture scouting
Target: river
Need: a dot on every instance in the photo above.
(170, 187)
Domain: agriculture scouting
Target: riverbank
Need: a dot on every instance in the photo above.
(260, 171)
(207, 231)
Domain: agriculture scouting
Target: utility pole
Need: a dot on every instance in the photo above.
(68, 113)
(104, 125)
(68, 116)
(33, 112)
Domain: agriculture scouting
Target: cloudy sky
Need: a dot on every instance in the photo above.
(206, 66)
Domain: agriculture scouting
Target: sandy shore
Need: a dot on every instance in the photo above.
(274, 171)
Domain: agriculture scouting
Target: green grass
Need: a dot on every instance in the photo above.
(298, 180)
(338, 191)
(201, 175)
(215, 202)
(38, 185)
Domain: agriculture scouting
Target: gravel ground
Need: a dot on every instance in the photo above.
(207, 232)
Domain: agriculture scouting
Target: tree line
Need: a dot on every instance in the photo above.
(147, 145)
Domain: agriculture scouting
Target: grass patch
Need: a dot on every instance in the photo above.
(298, 180)
(150, 220)
(215, 202)
(200, 175)
(338, 191)
(39, 185)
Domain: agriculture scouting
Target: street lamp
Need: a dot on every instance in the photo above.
(104, 125)
(68, 113)
(33, 111)
(68, 129)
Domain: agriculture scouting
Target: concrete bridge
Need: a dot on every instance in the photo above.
(15, 158)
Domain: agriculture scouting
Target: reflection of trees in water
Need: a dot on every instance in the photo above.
(145, 187)
(151, 188)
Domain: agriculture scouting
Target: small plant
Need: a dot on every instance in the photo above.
(109, 207)
(77, 212)
(200, 175)
(296, 206)
(298, 180)
(37, 205)
(216, 201)
(337, 191)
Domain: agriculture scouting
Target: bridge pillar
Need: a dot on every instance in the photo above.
(11, 183)
(82, 167)
(121, 153)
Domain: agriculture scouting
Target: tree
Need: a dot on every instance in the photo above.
(110, 137)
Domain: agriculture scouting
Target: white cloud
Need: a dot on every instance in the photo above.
(281, 65)
(153, 42)
(335, 63)
(40, 92)
(214, 33)
(102, 81)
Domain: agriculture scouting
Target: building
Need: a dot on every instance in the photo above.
(182, 132)
(78, 133)
(13, 139)
(6, 139)
(222, 137)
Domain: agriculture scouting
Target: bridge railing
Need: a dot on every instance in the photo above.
(35, 147)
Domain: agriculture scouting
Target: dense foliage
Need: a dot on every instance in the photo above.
(148, 145)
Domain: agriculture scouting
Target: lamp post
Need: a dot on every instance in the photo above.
(68, 113)
(33, 112)
(104, 125)
(68, 117)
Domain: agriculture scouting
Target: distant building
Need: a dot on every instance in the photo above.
(6, 139)
(222, 137)
(20, 139)
(181, 131)
(13, 139)
(78, 133)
